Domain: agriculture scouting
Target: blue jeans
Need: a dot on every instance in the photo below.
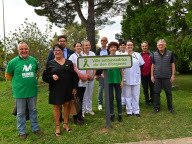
(100, 90)
(117, 96)
(21, 116)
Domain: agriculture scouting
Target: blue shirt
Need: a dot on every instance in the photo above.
(103, 52)
(65, 53)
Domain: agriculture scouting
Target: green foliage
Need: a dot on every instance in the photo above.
(144, 23)
(154, 20)
(2, 59)
(37, 41)
(148, 127)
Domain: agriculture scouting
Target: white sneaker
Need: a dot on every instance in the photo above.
(99, 107)
(91, 112)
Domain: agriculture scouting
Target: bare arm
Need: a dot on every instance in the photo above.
(92, 76)
(122, 77)
(173, 72)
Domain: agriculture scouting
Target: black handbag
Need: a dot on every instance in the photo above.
(78, 103)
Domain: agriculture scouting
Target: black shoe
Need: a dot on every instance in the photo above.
(155, 111)
(172, 111)
(137, 115)
(129, 115)
(81, 118)
(77, 122)
(120, 118)
(112, 118)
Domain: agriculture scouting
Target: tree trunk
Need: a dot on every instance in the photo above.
(91, 35)
(90, 25)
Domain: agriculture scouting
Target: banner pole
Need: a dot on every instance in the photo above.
(107, 110)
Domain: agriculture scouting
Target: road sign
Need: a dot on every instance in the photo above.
(104, 62)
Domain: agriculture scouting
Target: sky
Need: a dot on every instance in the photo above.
(17, 10)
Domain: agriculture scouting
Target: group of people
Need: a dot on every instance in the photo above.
(153, 69)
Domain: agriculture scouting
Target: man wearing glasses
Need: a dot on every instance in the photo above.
(100, 52)
(62, 40)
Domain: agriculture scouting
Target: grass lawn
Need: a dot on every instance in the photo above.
(149, 126)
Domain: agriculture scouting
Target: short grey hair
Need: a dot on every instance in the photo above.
(161, 40)
(21, 44)
(84, 41)
(145, 43)
(129, 41)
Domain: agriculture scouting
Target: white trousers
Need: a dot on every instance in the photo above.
(132, 93)
(123, 101)
(87, 98)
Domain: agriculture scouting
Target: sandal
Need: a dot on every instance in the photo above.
(57, 134)
(68, 130)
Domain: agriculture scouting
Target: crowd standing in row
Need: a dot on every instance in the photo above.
(153, 69)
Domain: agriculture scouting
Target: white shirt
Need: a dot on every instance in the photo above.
(73, 58)
(121, 53)
(90, 54)
(132, 76)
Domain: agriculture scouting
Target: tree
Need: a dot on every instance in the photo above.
(152, 20)
(145, 21)
(63, 12)
(2, 56)
(180, 37)
(37, 41)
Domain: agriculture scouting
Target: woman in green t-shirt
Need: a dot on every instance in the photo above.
(115, 80)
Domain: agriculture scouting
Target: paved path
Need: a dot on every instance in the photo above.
(187, 140)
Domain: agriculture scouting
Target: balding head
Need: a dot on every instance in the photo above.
(104, 42)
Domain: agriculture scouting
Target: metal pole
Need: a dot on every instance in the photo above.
(5, 50)
(108, 121)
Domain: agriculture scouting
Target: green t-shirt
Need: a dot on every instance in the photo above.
(114, 76)
(24, 81)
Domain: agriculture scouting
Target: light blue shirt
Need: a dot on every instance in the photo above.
(65, 53)
(103, 52)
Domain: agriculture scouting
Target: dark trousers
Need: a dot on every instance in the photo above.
(117, 96)
(80, 93)
(167, 86)
(147, 85)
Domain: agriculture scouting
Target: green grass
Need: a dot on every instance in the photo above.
(149, 127)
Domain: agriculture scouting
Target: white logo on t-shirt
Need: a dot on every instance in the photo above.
(25, 68)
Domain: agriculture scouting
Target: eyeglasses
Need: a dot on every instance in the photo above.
(129, 44)
(103, 40)
(62, 41)
(57, 50)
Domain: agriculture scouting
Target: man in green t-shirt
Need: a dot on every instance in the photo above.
(22, 71)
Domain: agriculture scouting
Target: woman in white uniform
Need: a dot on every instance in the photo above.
(82, 83)
(132, 81)
(87, 98)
